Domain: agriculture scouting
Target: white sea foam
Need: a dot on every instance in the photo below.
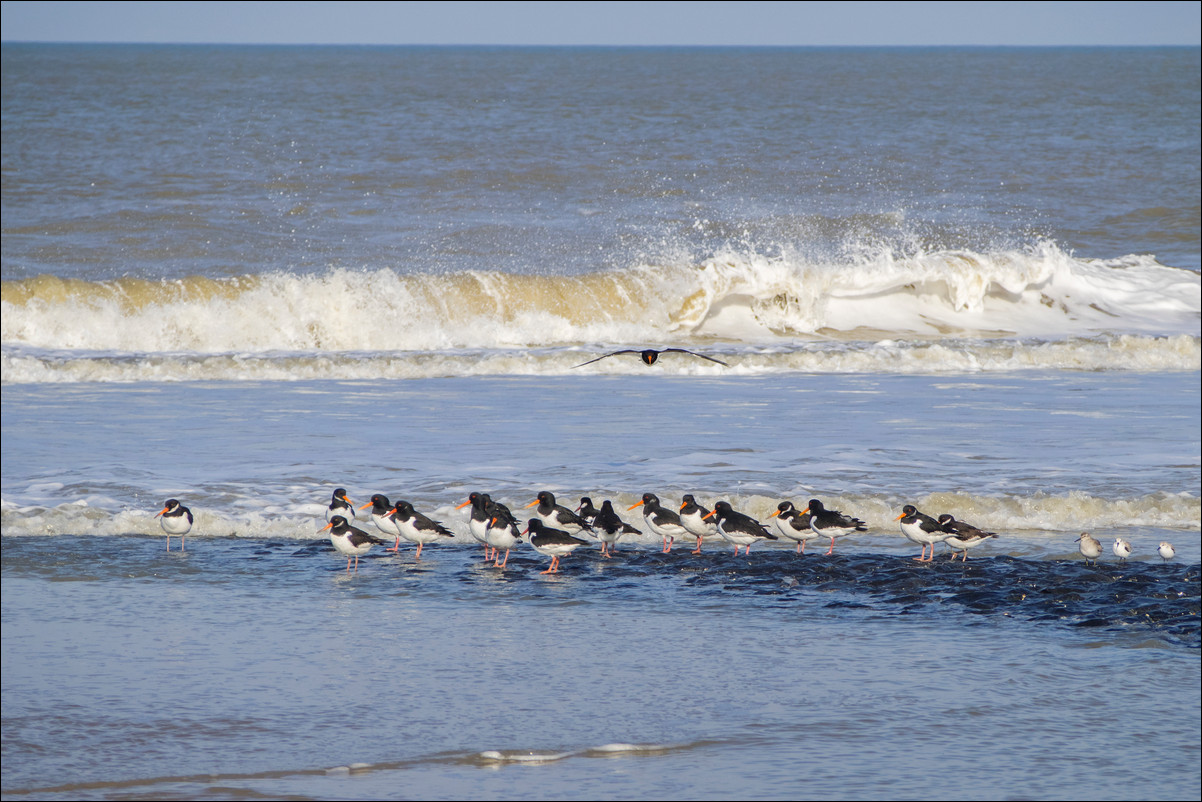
(1016, 515)
(938, 311)
(1181, 352)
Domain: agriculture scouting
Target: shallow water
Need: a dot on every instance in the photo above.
(266, 665)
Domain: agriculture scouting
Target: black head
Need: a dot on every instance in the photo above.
(909, 509)
(649, 356)
(785, 506)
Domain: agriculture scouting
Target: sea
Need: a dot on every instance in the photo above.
(964, 279)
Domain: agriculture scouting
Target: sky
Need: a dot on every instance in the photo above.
(609, 23)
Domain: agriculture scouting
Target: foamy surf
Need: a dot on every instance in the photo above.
(1020, 517)
(1181, 352)
(929, 312)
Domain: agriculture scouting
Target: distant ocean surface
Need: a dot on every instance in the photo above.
(964, 279)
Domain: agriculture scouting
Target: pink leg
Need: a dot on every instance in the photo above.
(397, 547)
(698, 549)
(419, 551)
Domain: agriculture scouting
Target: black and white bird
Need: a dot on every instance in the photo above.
(965, 536)
(739, 529)
(1091, 547)
(793, 524)
(832, 523)
(504, 532)
(417, 528)
(340, 505)
(478, 521)
(350, 541)
(695, 519)
(609, 527)
(556, 515)
(660, 520)
(586, 510)
(381, 513)
(650, 356)
(553, 543)
(176, 519)
(923, 530)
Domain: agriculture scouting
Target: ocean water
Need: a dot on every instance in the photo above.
(964, 279)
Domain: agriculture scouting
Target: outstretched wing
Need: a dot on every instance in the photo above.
(650, 355)
(606, 356)
(694, 353)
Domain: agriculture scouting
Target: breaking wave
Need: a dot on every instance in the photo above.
(950, 310)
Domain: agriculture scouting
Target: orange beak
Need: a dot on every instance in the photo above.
(636, 504)
(711, 513)
(773, 515)
(327, 526)
(464, 504)
(898, 518)
(365, 506)
(532, 504)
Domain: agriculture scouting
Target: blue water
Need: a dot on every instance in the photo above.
(956, 278)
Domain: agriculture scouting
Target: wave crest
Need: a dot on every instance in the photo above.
(738, 298)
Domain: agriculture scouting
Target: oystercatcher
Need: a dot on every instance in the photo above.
(739, 529)
(832, 523)
(650, 355)
(351, 541)
(660, 520)
(554, 543)
(176, 520)
(794, 525)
